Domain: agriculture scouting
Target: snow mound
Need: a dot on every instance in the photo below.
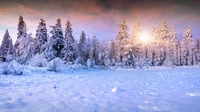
(14, 68)
(193, 94)
(55, 65)
(115, 89)
(38, 61)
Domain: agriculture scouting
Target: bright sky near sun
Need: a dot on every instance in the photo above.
(100, 17)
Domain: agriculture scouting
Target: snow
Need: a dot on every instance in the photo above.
(96, 90)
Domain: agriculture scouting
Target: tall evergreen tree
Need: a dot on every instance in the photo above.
(6, 43)
(24, 43)
(112, 52)
(21, 27)
(197, 55)
(41, 37)
(122, 39)
(136, 33)
(164, 41)
(83, 46)
(174, 48)
(56, 42)
(187, 48)
(69, 52)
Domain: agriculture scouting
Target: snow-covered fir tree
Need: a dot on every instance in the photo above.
(21, 27)
(69, 52)
(164, 41)
(187, 48)
(122, 39)
(24, 43)
(103, 55)
(94, 50)
(136, 33)
(56, 42)
(83, 46)
(174, 48)
(41, 37)
(112, 52)
(5, 45)
(197, 53)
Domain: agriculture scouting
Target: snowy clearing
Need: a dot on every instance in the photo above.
(94, 90)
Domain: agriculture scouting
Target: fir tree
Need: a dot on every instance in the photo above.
(41, 37)
(24, 43)
(69, 53)
(174, 48)
(57, 40)
(6, 43)
(187, 48)
(83, 46)
(21, 27)
(122, 39)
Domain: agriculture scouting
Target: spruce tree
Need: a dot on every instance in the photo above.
(56, 42)
(187, 48)
(24, 43)
(6, 43)
(41, 37)
(122, 39)
(83, 46)
(174, 48)
(69, 53)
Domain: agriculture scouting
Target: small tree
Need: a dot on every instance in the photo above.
(6, 44)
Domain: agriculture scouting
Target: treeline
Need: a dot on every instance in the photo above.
(163, 48)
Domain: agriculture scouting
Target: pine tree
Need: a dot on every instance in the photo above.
(138, 47)
(94, 50)
(24, 43)
(187, 48)
(112, 52)
(21, 27)
(197, 55)
(174, 48)
(69, 53)
(41, 37)
(83, 46)
(122, 39)
(57, 41)
(6, 43)
(103, 58)
(136, 33)
(164, 41)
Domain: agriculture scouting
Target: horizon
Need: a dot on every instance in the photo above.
(100, 18)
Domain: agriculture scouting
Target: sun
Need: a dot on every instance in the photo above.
(144, 37)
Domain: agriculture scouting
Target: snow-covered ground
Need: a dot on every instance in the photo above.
(94, 90)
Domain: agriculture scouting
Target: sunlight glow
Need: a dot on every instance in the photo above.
(145, 38)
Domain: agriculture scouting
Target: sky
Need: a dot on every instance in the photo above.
(100, 17)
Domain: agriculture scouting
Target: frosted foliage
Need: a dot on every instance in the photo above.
(14, 68)
(89, 63)
(38, 60)
(24, 48)
(55, 65)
